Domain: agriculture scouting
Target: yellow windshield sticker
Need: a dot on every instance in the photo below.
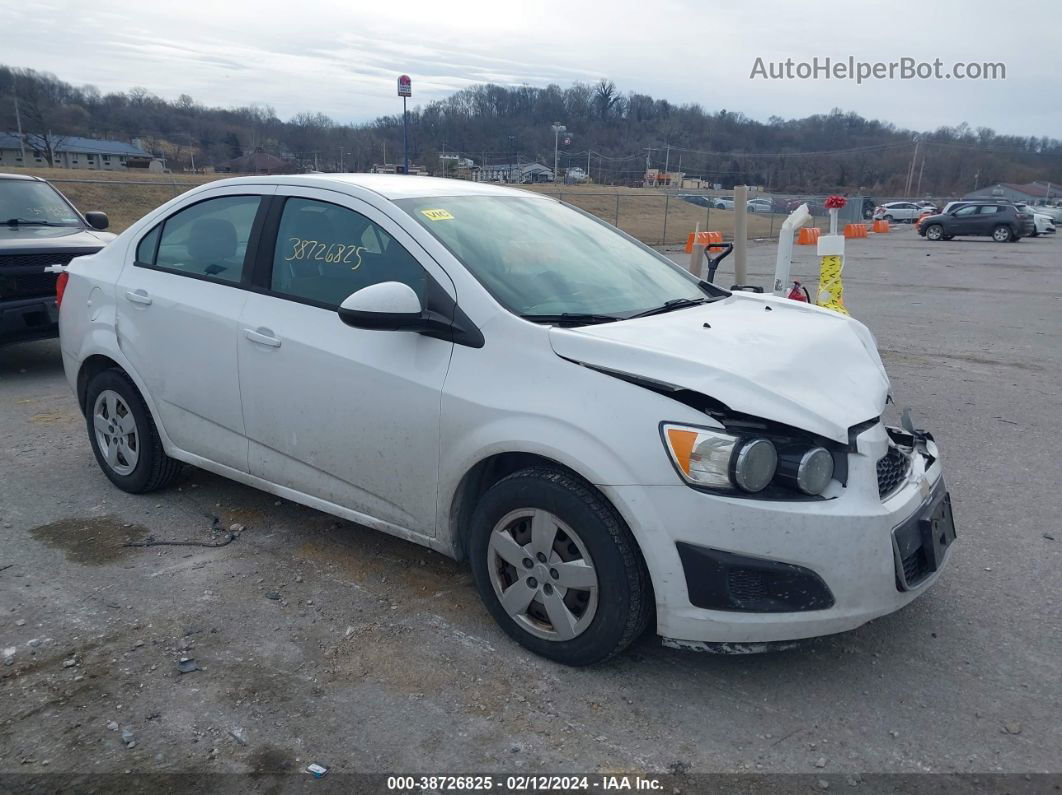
(438, 215)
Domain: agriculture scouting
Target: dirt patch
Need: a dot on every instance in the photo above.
(93, 541)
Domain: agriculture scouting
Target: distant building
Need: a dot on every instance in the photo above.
(396, 168)
(520, 173)
(257, 162)
(656, 178)
(1029, 192)
(76, 152)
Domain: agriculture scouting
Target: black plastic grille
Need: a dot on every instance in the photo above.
(892, 469)
(35, 283)
(42, 258)
(915, 567)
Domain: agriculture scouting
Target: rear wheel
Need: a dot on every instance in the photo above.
(558, 568)
(1002, 234)
(887, 218)
(123, 435)
(934, 232)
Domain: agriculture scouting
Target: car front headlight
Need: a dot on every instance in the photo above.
(748, 463)
(719, 460)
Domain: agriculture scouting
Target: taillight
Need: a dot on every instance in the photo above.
(60, 288)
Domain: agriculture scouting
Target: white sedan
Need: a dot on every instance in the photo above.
(898, 211)
(512, 382)
(1043, 223)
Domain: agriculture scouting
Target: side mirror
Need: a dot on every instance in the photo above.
(387, 306)
(97, 220)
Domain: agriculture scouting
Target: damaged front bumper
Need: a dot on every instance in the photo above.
(838, 563)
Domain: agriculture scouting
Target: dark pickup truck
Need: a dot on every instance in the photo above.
(38, 227)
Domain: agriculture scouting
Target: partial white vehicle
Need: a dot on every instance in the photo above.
(759, 206)
(514, 383)
(1043, 223)
(1054, 213)
(723, 202)
(897, 211)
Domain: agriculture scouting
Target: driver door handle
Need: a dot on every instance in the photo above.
(262, 336)
(138, 297)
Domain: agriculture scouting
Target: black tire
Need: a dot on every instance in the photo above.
(934, 232)
(1002, 234)
(624, 599)
(887, 218)
(948, 237)
(154, 469)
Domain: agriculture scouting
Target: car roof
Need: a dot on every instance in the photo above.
(390, 186)
(27, 177)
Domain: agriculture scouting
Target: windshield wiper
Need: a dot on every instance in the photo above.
(30, 222)
(572, 318)
(672, 305)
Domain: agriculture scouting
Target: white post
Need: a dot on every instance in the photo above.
(784, 258)
(741, 198)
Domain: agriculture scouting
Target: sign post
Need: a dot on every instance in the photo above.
(405, 89)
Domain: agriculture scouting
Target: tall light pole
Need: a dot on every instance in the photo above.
(558, 128)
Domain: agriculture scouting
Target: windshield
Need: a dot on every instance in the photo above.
(540, 258)
(31, 202)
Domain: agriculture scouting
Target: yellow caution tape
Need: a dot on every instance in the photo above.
(831, 290)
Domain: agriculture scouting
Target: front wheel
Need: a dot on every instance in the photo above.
(934, 232)
(558, 568)
(1002, 234)
(123, 435)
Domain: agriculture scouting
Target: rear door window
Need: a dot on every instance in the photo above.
(325, 252)
(208, 239)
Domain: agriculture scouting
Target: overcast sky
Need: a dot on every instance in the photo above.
(342, 58)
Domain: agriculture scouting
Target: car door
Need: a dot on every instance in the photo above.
(987, 218)
(178, 300)
(963, 221)
(346, 415)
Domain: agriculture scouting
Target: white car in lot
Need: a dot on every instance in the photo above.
(898, 211)
(1043, 223)
(512, 382)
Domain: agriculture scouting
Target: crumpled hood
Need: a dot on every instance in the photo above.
(769, 357)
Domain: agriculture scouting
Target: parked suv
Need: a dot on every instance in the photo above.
(38, 227)
(1001, 222)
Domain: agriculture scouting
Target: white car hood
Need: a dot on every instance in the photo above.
(769, 357)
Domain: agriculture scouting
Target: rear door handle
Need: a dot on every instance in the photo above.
(138, 297)
(262, 336)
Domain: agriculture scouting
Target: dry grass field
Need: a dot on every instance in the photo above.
(126, 196)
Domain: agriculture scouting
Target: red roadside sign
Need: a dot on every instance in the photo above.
(405, 86)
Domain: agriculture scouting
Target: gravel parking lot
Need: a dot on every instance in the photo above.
(321, 641)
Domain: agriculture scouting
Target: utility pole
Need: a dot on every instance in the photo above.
(910, 173)
(590, 180)
(21, 141)
(918, 190)
(341, 160)
(667, 158)
(557, 128)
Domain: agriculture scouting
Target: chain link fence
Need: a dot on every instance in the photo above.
(658, 218)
